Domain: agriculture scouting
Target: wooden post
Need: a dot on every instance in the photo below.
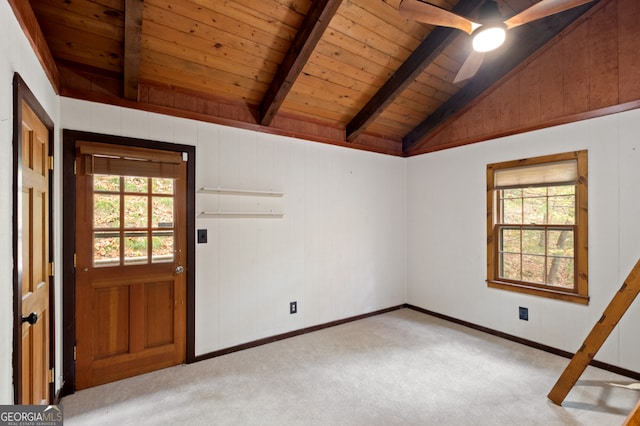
(634, 417)
(598, 335)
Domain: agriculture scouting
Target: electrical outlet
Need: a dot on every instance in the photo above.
(524, 313)
(293, 307)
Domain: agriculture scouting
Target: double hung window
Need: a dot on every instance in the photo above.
(537, 226)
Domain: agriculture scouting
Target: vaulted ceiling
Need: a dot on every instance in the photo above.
(350, 72)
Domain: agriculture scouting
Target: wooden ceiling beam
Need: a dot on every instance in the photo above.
(410, 69)
(31, 28)
(133, 10)
(529, 38)
(308, 35)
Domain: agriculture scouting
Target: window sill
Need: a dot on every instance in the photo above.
(537, 291)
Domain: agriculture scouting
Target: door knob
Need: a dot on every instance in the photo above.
(179, 270)
(32, 318)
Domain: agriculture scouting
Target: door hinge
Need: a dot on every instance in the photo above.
(74, 352)
(52, 375)
(74, 260)
(51, 162)
(51, 269)
(74, 167)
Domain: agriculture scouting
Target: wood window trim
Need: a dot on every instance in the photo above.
(581, 293)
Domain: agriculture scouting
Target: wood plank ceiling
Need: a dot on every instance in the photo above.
(350, 72)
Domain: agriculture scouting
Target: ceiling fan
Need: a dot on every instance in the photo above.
(489, 32)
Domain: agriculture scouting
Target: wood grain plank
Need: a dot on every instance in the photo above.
(509, 98)
(575, 73)
(552, 93)
(360, 51)
(530, 105)
(312, 28)
(273, 10)
(218, 43)
(354, 58)
(132, 47)
(160, 69)
(104, 11)
(361, 13)
(196, 56)
(161, 37)
(231, 10)
(363, 35)
(32, 30)
(53, 13)
(172, 14)
(603, 57)
(628, 48)
(491, 119)
(420, 61)
(82, 47)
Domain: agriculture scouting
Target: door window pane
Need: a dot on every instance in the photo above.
(162, 212)
(136, 184)
(106, 248)
(146, 206)
(135, 211)
(162, 249)
(106, 183)
(106, 211)
(135, 248)
(162, 186)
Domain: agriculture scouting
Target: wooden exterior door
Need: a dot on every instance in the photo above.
(130, 280)
(35, 263)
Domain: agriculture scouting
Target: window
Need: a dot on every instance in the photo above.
(134, 198)
(537, 226)
(133, 220)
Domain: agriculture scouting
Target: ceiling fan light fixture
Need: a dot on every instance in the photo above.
(488, 38)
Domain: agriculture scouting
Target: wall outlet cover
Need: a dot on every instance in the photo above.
(523, 313)
(293, 307)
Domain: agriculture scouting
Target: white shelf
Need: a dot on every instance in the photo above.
(205, 190)
(241, 215)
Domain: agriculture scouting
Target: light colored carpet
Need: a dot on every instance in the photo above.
(399, 368)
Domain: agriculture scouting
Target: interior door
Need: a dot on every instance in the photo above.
(34, 238)
(130, 280)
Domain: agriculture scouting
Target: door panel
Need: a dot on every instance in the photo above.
(35, 259)
(130, 289)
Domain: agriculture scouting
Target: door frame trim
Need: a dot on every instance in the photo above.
(69, 138)
(21, 92)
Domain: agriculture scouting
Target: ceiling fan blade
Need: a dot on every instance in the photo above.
(470, 66)
(541, 10)
(434, 15)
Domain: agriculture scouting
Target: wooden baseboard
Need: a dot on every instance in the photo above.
(290, 334)
(598, 364)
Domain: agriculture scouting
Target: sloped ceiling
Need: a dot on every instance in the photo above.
(347, 72)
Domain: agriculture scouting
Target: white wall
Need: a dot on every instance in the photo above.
(15, 56)
(360, 232)
(446, 207)
(339, 250)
